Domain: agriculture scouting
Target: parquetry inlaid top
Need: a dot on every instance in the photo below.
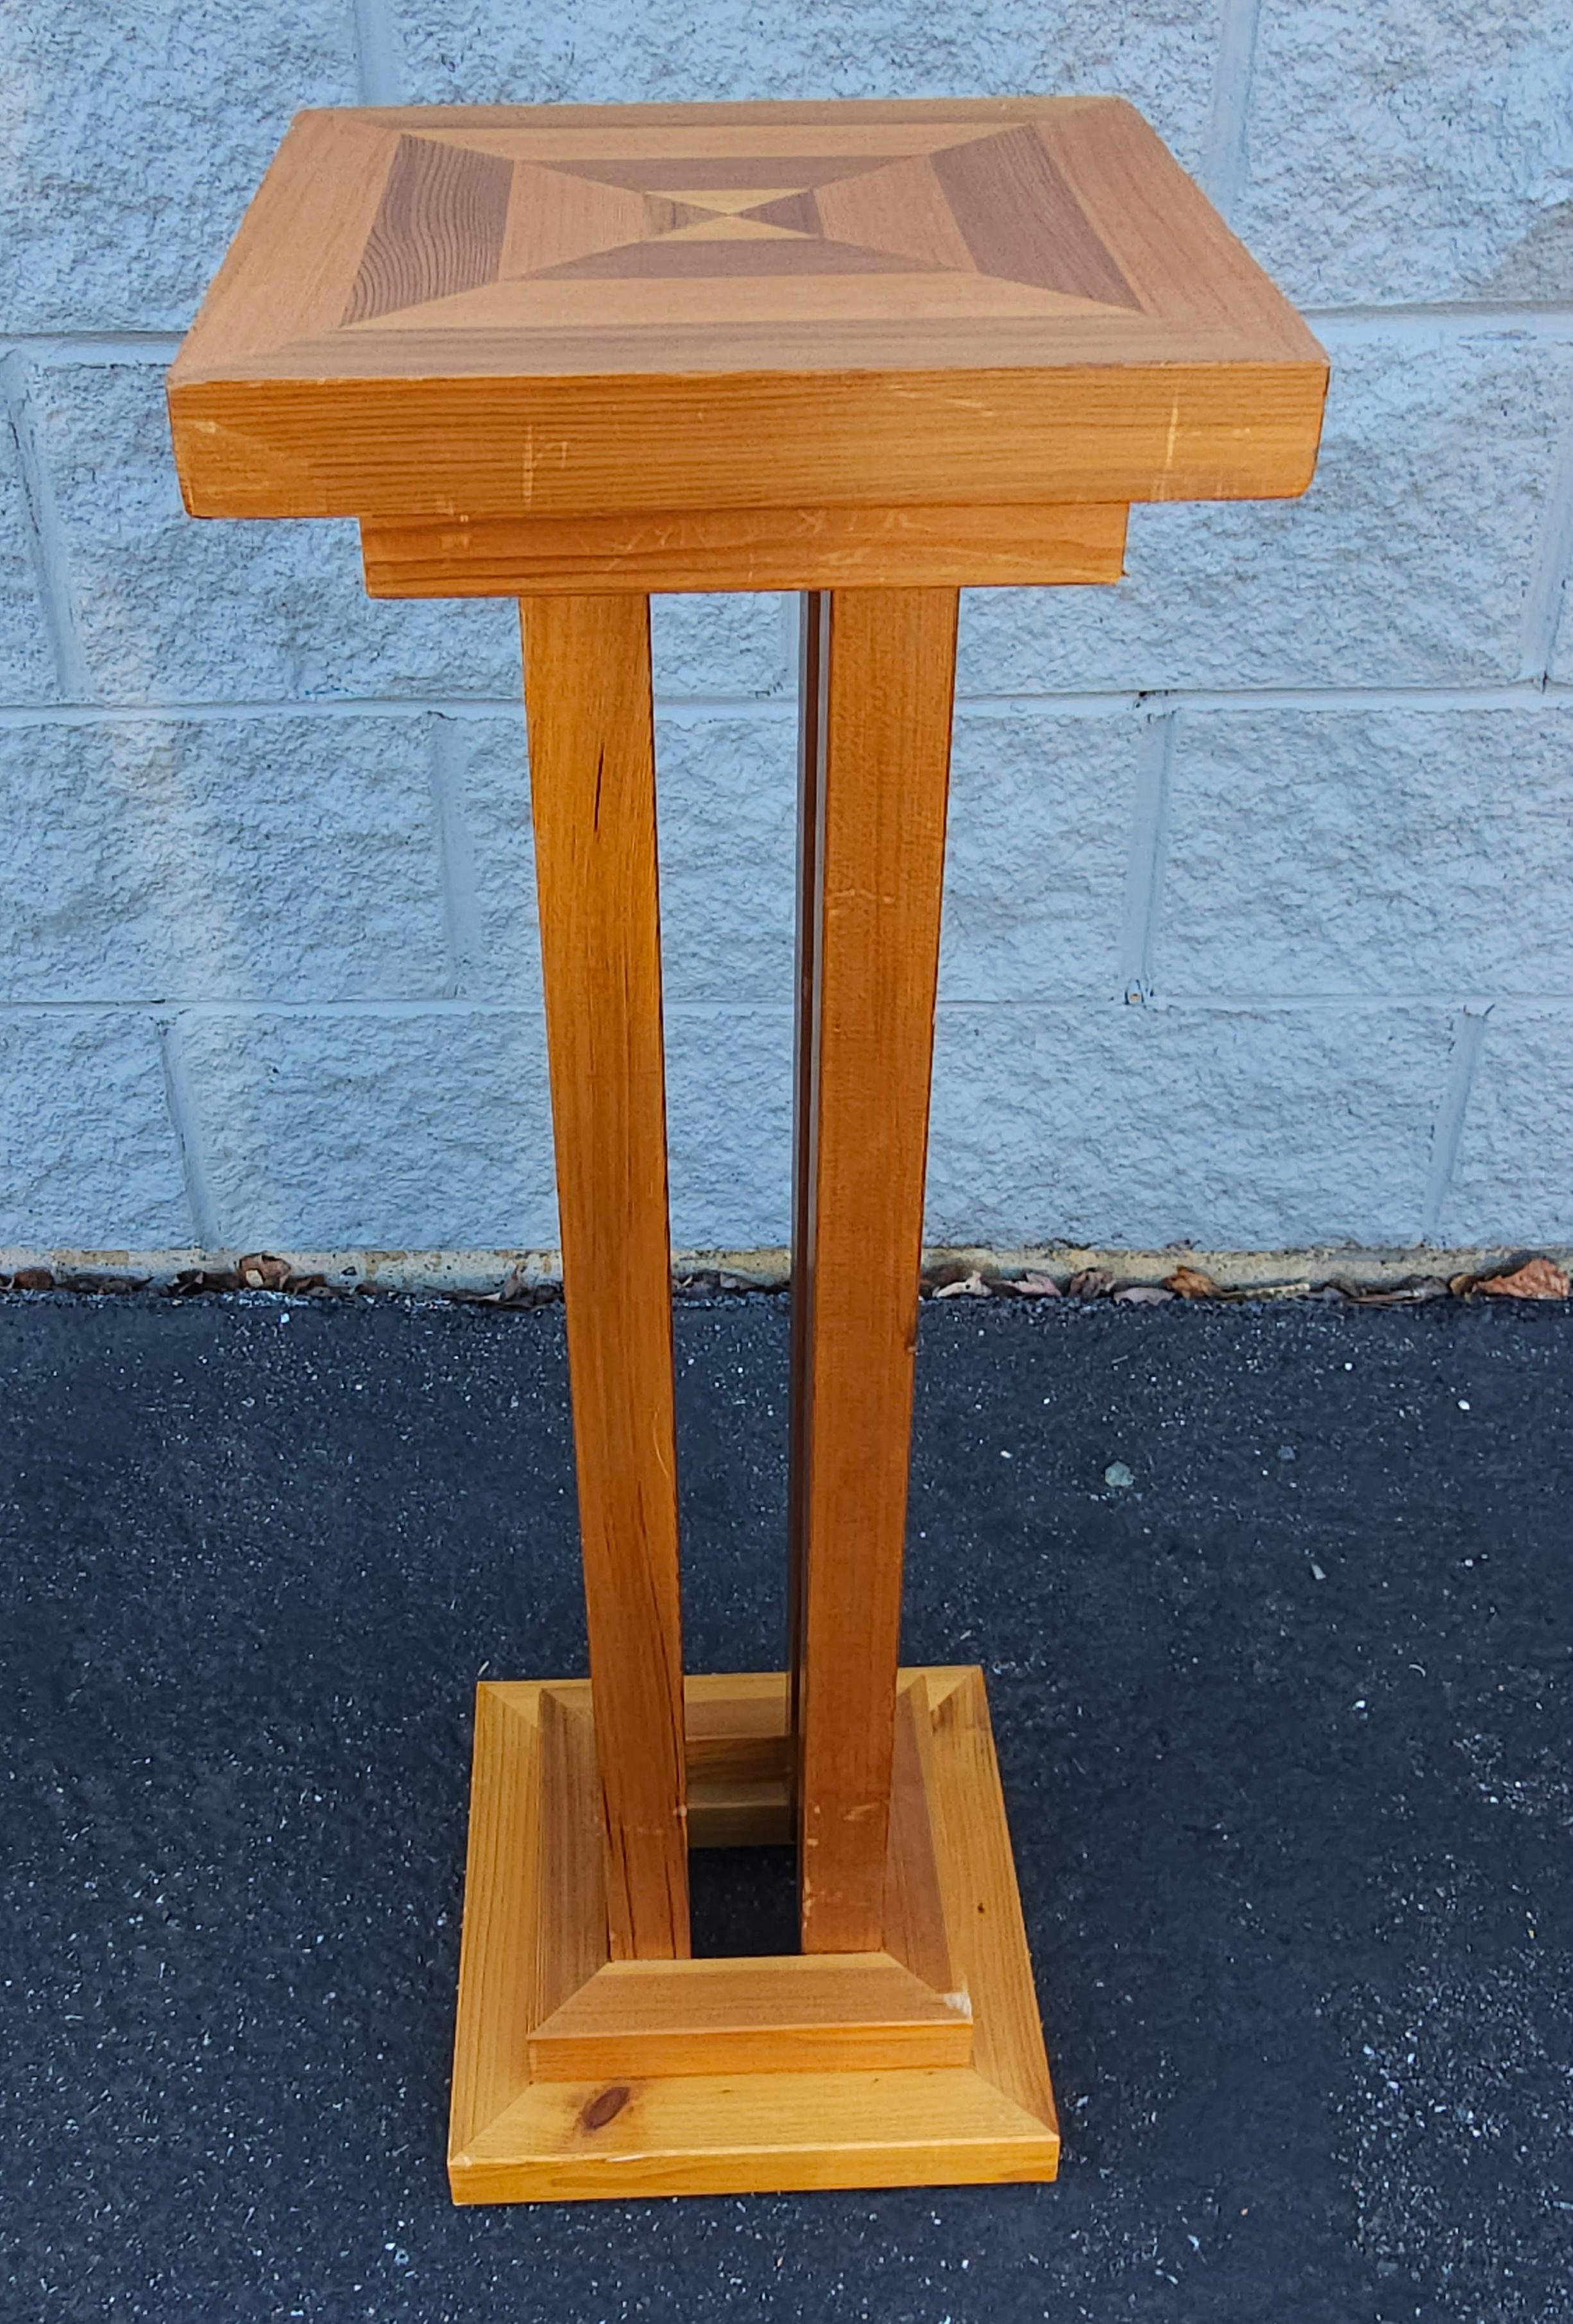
(522, 229)
(460, 311)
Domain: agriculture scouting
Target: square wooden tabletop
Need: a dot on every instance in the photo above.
(466, 310)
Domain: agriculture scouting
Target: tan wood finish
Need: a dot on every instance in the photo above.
(518, 2136)
(747, 1813)
(536, 1927)
(878, 353)
(570, 1859)
(785, 2014)
(1010, 544)
(589, 311)
(587, 695)
(753, 2134)
(502, 1934)
(738, 1760)
(987, 1937)
(916, 1930)
(870, 921)
(1093, 433)
(737, 1751)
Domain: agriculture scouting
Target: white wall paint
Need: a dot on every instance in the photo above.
(1260, 917)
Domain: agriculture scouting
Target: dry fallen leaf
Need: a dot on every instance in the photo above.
(1537, 1279)
(966, 1286)
(1142, 1295)
(1091, 1283)
(1393, 1295)
(1190, 1283)
(258, 1271)
(1035, 1287)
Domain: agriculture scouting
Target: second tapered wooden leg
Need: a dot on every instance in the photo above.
(587, 694)
(879, 678)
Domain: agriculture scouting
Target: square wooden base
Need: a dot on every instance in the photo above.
(577, 2076)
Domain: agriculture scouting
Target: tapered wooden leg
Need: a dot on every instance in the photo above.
(878, 680)
(587, 695)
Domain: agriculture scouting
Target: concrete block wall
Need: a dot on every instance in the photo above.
(1260, 920)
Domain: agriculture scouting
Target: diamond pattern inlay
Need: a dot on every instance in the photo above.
(985, 217)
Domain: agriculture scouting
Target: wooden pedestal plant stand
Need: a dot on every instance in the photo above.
(876, 353)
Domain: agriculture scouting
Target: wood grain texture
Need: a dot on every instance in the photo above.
(987, 1937)
(753, 2134)
(772, 255)
(917, 1926)
(726, 225)
(788, 2014)
(553, 217)
(902, 208)
(438, 228)
(793, 208)
(697, 164)
(591, 771)
(747, 549)
(519, 2137)
(570, 1859)
(733, 1707)
(534, 1914)
(842, 433)
(463, 312)
(869, 914)
(499, 1955)
(1020, 218)
(713, 291)
(739, 1761)
(726, 1811)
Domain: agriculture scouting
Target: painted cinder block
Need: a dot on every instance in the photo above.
(403, 1128)
(167, 609)
(1037, 854)
(1387, 850)
(1157, 53)
(1097, 1123)
(1403, 153)
(27, 663)
(1036, 872)
(737, 646)
(1560, 622)
(1513, 1181)
(729, 1126)
(1239, 1127)
(133, 139)
(1406, 563)
(172, 610)
(726, 795)
(87, 1156)
(220, 858)
(1391, 860)
(482, 767)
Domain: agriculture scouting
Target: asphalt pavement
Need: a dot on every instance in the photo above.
(1282, 1721)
